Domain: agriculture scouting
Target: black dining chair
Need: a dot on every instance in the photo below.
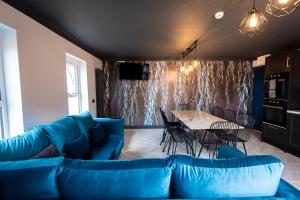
(247, 121)
(230, 115)
(219, 112)
(171, 124)
(213, 137)
(175, 135)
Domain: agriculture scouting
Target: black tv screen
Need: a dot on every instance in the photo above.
(133, 71)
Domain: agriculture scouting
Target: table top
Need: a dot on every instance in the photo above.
(197, 120)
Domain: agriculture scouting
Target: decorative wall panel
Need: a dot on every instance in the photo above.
(226, 84)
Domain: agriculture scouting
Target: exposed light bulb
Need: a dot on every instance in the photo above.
(190, 68)
(195, 63)
(182, 69)
(186, 71)
(253, 21)
(283, 1)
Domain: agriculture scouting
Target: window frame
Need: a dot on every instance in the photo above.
(78, 93)
(3, 99)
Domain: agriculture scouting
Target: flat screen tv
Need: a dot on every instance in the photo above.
(133, 71)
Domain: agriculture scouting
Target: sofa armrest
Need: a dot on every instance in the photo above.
(225, 152)
(113, 126)
(287, 190)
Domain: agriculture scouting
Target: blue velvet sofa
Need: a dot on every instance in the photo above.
(32, 142)
(232, 176)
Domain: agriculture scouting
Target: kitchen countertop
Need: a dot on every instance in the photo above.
(297, 112)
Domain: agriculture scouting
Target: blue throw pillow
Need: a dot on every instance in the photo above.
(253, 176)
(85, 121)
(30, 183)
(116, 180)
(78, 148)
(24, 146)
(97, 134)
(225, 152)
(61, 132)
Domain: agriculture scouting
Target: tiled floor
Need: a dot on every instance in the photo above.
(144, 143)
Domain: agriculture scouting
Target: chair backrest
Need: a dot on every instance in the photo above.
(166, 123)
(183, 106)
(246, 120)
(223, 127)
(219, 112)
(164, 117)
(230, 115)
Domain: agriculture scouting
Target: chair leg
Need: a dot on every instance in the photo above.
(187, 148)
(244, 147)
(170, 143)
(202, 143)
(174, 148)
(192, 150)
(166, 143)
(163, 137)
(195, 151)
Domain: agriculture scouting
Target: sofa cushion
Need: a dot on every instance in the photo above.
(287, 191)
(23, 146)
(108, 148)
(96, 135)
(253, 176)
(31, 183)
(85, 121)
(48, 152)
(116, 180)
(78, 148)
(61, 132)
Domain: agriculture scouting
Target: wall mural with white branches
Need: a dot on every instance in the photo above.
(226, 84)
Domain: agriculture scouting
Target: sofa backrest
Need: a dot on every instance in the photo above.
(24, 146)
(252, 176)
(144, 178)
(29, 183)
(175, 177)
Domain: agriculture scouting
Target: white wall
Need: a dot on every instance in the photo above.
(42, 68)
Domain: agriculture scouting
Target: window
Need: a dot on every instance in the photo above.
(76, 84)
(3, 104)
(10, 85)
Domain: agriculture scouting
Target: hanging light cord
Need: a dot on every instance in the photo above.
(253, 4)
(195, 50)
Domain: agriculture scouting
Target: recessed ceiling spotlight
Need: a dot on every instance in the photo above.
(219, 14)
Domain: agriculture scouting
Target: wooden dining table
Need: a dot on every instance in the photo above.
(197, 120)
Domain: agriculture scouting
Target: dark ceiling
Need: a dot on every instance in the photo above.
(161, 29)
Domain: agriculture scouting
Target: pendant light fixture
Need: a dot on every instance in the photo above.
(253, 23)
(280, 8)
(188, 65)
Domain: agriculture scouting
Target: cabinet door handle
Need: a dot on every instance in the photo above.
(288, 62)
